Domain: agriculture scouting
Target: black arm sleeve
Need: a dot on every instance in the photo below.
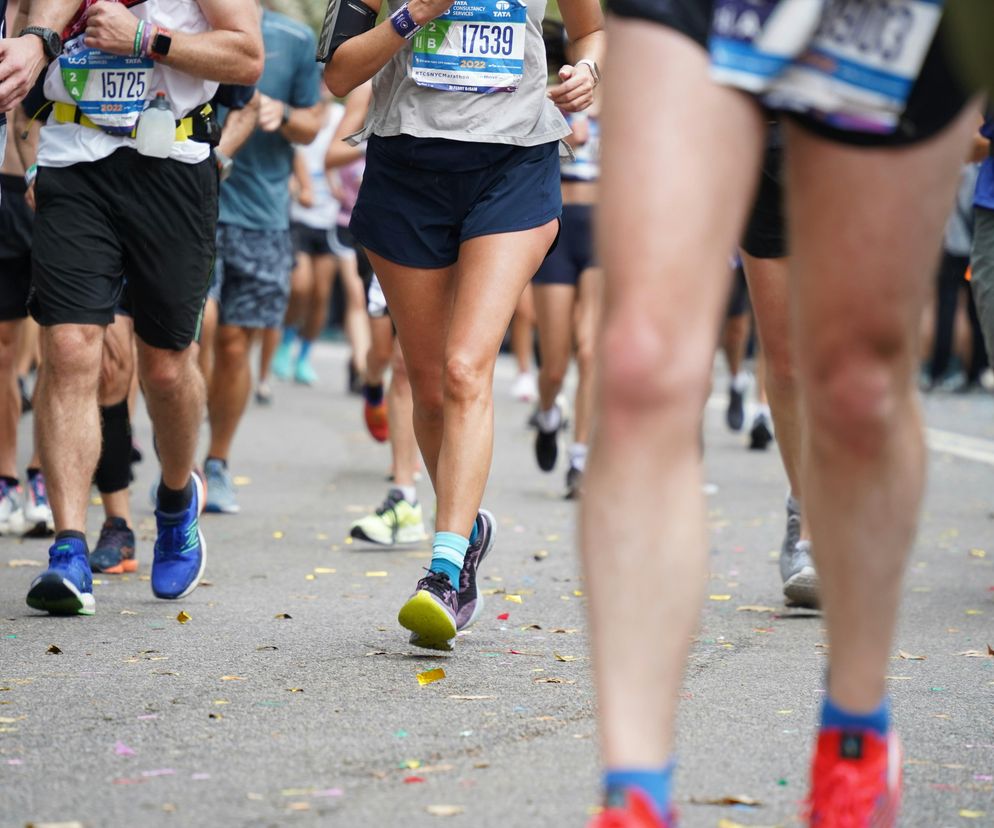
(344, 19)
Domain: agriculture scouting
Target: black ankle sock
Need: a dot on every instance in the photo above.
(173, 500)
(10, 481)
(373, 393)
(33, 472)
(70, 534)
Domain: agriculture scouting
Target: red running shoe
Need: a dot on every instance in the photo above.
(635, 810)
(855, 780)
(376, 421)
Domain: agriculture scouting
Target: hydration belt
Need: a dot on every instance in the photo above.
(201, 126)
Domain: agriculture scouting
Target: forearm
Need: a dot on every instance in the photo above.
(220, 55)
(303, 125)
(590, 47)
(361, 57)
(339, 154)
(238, 126)
(52, 14)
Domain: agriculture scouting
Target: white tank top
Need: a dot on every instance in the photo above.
(65, 144)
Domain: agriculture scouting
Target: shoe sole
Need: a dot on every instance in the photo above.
(125, 566)
(801, 589)
(359, 533)
(57, 596)
(201, 485)
(430, 624)
(478, 609)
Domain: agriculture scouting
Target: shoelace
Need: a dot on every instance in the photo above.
(437, 583)
(177, 539)
(116, 536)
(845, 797)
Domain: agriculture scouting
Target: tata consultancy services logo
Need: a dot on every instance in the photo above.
(502, 5)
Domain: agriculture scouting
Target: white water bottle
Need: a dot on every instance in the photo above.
(156, 128)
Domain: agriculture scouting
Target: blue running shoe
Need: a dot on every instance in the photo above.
(180, 552)
(67, 587)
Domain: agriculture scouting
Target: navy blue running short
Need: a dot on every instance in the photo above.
(421, 198)
(575, 251)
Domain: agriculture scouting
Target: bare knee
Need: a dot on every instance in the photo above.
(231, 346)
(652, 369)
(164, 371)
(466, 378)
(426, 390)
(853, 390)
(72, 353)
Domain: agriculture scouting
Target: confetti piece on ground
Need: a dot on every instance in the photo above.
(503, 616)
(553, 680)
(380, 573)
(284, 615)
(183, 617)
(748, 801)
(53, 650)
(909, 657)
(974, 612)
(471, 698)
(978, 553)
(122, 749)
(241, 480)
(564, 657)
(720, 597)
(310, 577)
(413, 780)
(972, 814)
(754, 608)
(514, 599)
(430, 676)
(232, 678)
(445, 810)
(541, 554)
(578, 593)
(325, 570)
(278, 535)
(24, 562)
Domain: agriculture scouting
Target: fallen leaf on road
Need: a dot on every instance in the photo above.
(566, 658)
(445, 810)
(541, 554)
(909, 657)
(53, 650)
(295, 689)
(241, 480)
(754, 608)
(524, 653)
(430, 676)
(24, 562)
(214, 716)
(553, 680)
(73, 824)
(267, 647)
(727, 800)
(284, 615)
(976, 653)
(562, 631)
(978, 553)
(182, 617)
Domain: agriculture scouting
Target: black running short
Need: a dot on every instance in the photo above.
(935, 101)
(151, 218)
(311, 241)
(15, 248)
(575, 251)
(765, 235)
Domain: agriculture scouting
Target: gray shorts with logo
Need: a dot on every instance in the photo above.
(252, 276)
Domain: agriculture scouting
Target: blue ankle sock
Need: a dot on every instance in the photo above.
(447, 554)
(289, 334)
(474, 534)
(305, 349)
(833, 716)
(657, 783)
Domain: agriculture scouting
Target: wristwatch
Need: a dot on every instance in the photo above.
(50, 40)
(592, 66)
(287, 112)
(159, 47)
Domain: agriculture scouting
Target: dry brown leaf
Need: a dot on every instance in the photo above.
(566, 658)
(727, 800)
(909, 657)
(284, 615)
(553, 680)
(53, 650)
(755, 608)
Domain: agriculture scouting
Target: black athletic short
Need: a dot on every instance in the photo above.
(312, 241)
(765, 235)
(15, 248)
(575, 251)
(346, 239)
(738, 299)
(151, 218)
(935, 101)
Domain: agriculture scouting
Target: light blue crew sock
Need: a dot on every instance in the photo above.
(305, 349)
(474, 534)
(656, 783)
(289, 334)
(447, 555)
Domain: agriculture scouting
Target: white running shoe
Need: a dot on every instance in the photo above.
(525, 387)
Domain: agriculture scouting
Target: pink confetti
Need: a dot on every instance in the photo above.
(200, 777)
(15, 761)
(126, 781)
(148, 716)
(158, 772)
(328, 792)
(122, 749)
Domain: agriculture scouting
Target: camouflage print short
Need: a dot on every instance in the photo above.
(252, 276)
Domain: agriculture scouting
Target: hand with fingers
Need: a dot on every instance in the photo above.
(576, 92)
(111, 28)
(21, 61)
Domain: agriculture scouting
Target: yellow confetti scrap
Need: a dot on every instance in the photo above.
(578, 593)
(310, 577)
(412, 764)
(278, 535)
(321, 536)
(430, 676)
(242, 480)
(552, 538)
(325, 570)
(232, 678)
(974, 612)
(183, 617)
(972, 814)
(720, 597)
(514, 599)
(978, 553)
(379, 573)
(445, 810)
(348, 541)
(221, 701)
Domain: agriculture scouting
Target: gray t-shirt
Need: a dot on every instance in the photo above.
(524, 117)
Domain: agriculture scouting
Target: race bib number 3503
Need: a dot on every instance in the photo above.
(109, 89)
(851, 63)
(476, 46)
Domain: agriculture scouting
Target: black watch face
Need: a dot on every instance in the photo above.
(161, 44)
(53, 44)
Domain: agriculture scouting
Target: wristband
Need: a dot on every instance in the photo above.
(403, 24)
(147, 35)
(30, 175)
(136, 50)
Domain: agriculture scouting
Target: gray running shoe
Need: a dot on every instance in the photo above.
(470, 599)
(221, 495)
(800, 581)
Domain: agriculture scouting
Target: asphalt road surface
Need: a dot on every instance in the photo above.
(291, 696)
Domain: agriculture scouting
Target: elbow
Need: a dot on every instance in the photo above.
(336, 82)
(252, 70)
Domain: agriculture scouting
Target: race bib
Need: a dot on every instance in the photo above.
(476, 46)
(110, 90)
(851, 63)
